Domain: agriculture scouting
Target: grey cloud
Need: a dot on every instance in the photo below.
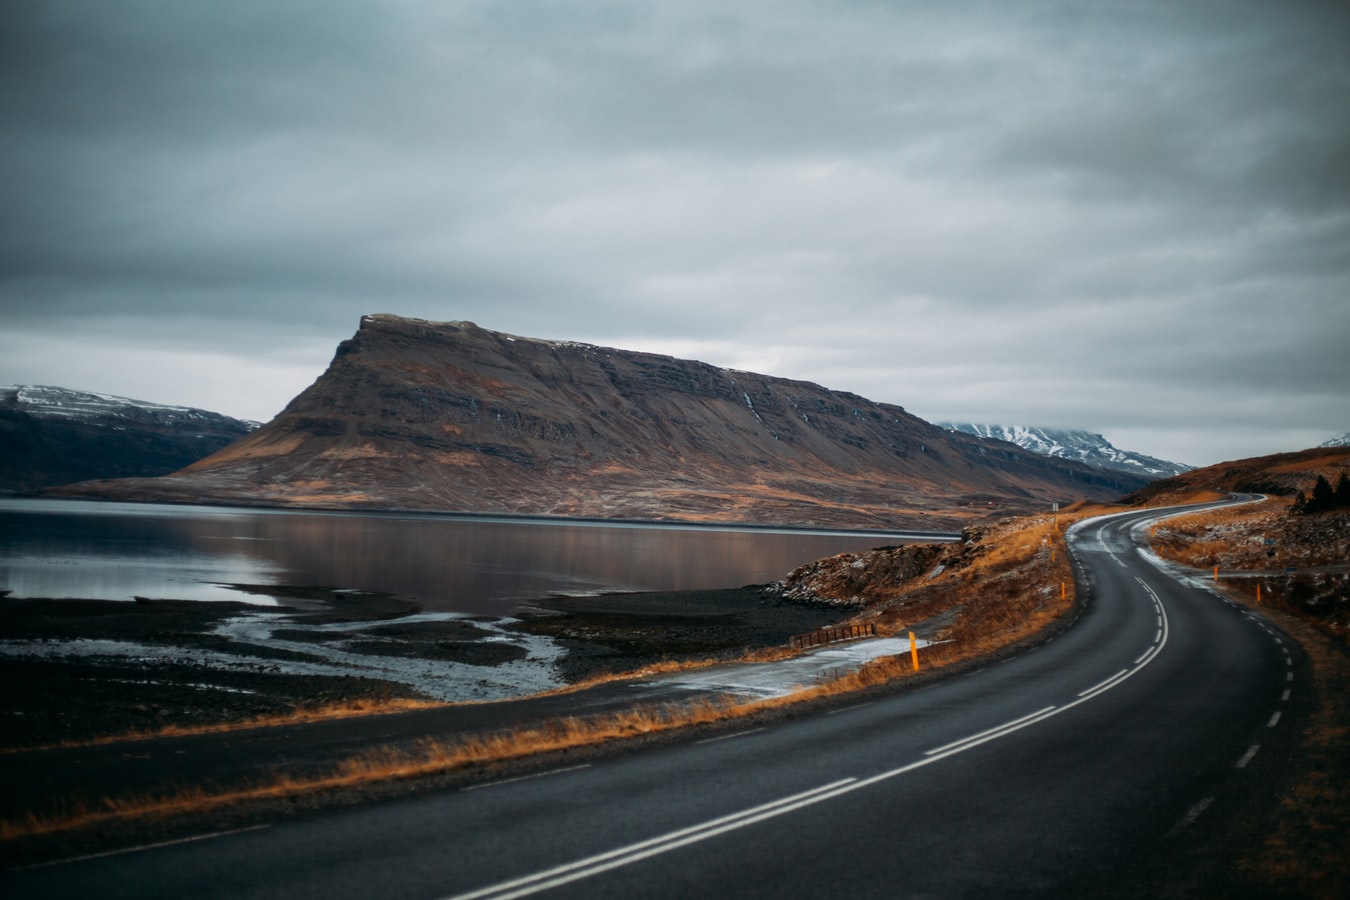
(973, 207)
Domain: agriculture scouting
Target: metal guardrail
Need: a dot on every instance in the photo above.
(831, 635)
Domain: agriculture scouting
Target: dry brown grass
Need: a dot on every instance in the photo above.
(369, 707)
(1019, 583)
(348, 709)
(1307, 850)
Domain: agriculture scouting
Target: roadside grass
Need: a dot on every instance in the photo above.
(341, 710)
(1019, 583)
(381, 707)
(1304, 852)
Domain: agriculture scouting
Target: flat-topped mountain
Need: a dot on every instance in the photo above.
(449, 416)
(53, 435)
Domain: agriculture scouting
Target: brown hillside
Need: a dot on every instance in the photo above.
(1280, 475)
(450, 416)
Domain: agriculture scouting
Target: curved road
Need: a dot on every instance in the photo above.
(1107, 761)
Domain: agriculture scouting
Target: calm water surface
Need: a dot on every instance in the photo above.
(116, 551)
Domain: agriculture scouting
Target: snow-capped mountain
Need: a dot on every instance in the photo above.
(49, 402)
(1082, 446)
(52, 435)
(1340, 441)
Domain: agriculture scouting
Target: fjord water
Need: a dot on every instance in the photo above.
(490, 566)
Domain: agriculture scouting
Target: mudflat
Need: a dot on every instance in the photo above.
(74, 670)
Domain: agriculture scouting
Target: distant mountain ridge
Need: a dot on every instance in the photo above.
(1342, 440)
(449, 416)
(53, 435)
(1084, 446)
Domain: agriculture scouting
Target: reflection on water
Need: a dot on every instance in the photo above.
(60, 549)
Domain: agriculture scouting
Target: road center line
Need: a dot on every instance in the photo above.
(602, 862)
(622, 856)
(996, 731)
(1103, 684)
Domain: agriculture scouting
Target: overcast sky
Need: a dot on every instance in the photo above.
(1128, 217)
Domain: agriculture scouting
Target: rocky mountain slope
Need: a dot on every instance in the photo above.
(51, 435)
(449, 416)
(1083, 446)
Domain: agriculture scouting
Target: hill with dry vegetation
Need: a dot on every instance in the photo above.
(1300, 560)
(449, 416)
(1003, 582)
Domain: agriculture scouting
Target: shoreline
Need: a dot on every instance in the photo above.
(84, 670)
(913, 535)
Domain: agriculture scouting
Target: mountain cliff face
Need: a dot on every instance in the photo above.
(51, 435)
(1083, 446)
(450, 416)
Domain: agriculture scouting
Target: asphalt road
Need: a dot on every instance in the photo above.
(1111, 761)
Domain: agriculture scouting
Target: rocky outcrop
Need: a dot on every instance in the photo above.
(449, 416)
(863, 579)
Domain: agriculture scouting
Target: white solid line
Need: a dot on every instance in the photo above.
(603, 862)
(1247, 757)
(989, 731)
(593, 865)
(1102, 684)
(139, 848)
(1273, 719)
(488, 784)
(727, 737)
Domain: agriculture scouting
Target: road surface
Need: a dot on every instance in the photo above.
(1108, 761)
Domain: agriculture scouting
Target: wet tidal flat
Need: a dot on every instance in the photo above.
(73, 670)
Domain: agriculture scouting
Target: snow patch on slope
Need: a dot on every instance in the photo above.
(47, 402)
(1080, 446)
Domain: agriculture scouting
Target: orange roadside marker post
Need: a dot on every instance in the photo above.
(914, 651)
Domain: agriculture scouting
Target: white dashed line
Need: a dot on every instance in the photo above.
(727, 737)
(488, 784)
